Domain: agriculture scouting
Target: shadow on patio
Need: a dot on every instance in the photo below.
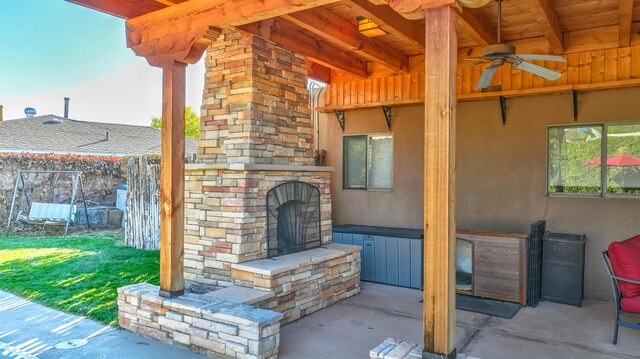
(349, 329)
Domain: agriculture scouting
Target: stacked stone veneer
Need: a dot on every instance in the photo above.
(226, 217)
(256, 132)
(255, 106)
(215, 327)
(303, 282)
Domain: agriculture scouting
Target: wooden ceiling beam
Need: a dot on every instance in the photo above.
(473, 25)
(408, 31)
(316, 50)
(219, 13)
(125, 9)
(625, 14)
(183, 31)
(548, 23)
(344, 34)
(318, 72)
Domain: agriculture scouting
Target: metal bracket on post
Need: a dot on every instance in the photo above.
(503, 109)
(575, 105)
(387, 115)
(340, 117)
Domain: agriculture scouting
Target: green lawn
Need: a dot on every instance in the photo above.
(77, 274)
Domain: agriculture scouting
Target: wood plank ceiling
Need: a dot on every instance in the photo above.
(330, 32)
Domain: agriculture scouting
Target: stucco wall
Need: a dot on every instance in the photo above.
(399, 207)
(500, 172)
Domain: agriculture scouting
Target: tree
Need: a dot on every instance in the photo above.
(191, 125)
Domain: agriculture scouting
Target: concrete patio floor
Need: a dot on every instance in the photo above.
(351, 328)
(348, 329)
(29, 330)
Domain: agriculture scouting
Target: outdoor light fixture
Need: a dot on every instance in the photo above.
(369, 28)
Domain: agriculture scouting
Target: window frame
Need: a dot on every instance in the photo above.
(603, 164)
(366, 177)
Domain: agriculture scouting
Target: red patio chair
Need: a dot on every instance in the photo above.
(622, 261)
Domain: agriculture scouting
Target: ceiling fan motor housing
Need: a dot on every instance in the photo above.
(499, 50)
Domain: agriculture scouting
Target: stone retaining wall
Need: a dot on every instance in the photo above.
(303, 282)
(212, 326)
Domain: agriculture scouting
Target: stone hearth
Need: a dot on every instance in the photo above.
(303, 282)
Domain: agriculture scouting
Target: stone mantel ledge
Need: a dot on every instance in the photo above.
(280, 264)
(255, 167)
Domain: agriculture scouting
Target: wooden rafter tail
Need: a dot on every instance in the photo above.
(340, 32)
(220, 13)
(124, 9)
(473, 25)
(548, 23)
(625, 16)
(320, 52)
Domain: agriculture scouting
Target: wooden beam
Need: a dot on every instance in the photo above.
(218, 13)
(288, 37)
(625, 15)
(172, 181)
(548, 23)
(473, 25)
(406, 30)
(342, 33)
(318, 72)
(439, 181)
(414, 9)
(125, 9)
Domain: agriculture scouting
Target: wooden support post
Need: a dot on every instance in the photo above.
(171, 47)
(439, 183)
(172, 180)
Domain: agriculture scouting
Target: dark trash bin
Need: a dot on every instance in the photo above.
(563, 268)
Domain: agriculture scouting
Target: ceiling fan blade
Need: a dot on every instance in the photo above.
(486, 77)
(540, 57)
(537, 70)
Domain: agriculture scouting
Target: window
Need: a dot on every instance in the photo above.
(368, 161)
(575, 165)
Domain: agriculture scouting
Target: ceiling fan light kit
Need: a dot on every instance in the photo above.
(499, 54)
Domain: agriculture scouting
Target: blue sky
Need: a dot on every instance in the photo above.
(50, 49)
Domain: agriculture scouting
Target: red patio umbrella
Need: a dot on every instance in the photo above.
(621, 160)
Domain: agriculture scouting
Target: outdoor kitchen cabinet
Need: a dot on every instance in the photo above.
(389, 255)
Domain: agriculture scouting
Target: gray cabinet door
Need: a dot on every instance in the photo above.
(392, 260)
(369, 259)
(380, 259)
(416, 263)
(404, 262)
(387, 260)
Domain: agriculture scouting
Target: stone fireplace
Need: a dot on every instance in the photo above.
(257, 243)
(254, 192)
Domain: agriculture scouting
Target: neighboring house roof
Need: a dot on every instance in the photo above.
(53, 134)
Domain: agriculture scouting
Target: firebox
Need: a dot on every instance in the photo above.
(293, 218)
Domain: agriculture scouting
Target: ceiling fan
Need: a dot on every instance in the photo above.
(500, 54)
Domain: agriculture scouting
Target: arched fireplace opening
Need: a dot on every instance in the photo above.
(293, 218)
